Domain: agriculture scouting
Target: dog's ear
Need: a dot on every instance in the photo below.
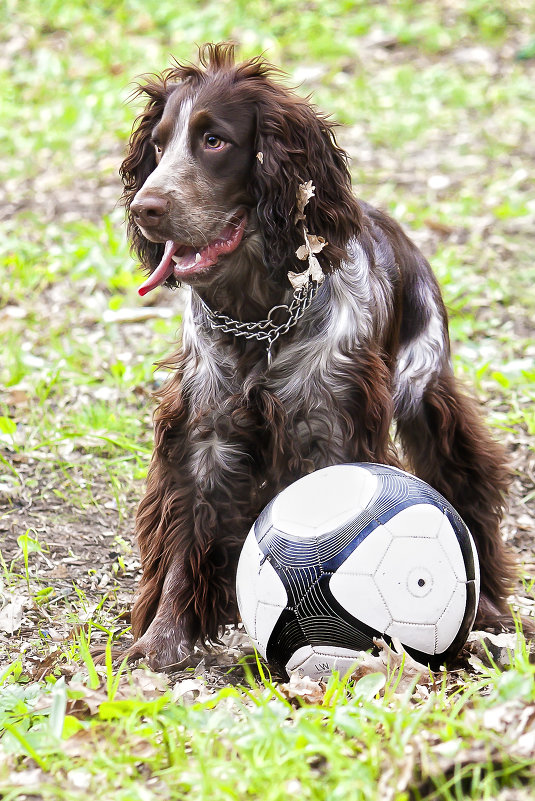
(138, 164)
(294, 145)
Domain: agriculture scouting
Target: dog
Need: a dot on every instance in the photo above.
(314, 334)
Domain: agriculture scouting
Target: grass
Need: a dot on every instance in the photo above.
(254, 742)
(437, 100)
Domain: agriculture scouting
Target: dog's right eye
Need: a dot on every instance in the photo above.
(158, 150)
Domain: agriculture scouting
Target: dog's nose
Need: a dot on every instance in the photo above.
(149, 210)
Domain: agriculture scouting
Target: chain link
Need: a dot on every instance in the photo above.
(266, 330)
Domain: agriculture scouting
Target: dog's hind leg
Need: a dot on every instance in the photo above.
(447, 444)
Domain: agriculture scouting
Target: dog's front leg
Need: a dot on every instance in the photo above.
(191, 525)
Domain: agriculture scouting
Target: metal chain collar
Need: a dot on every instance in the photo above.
(266, 330)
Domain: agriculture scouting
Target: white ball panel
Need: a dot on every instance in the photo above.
(260, 593)
(247, 582)
(360, 596)
(270, 587)
(448, 540)
(367, 557)
(420, 581)
(419, 520)
(396, 575)
(451, 619)
(320, 661)
(324, 500)
(267, 615)
(420, 636)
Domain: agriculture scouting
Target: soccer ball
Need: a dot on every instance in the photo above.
(351, 553)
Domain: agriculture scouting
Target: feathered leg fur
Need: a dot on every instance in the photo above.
(447, 445)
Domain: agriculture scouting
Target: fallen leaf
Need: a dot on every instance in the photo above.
(388, 660)
(190, 690)
(11, 614)
(78, 778)
(150, 684)
(524, 746)
(26, 778)
(304, 687)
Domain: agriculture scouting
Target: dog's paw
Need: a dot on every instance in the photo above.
(161, 649)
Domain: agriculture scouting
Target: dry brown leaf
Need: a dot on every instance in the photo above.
(190, 691)
(304, 193)
(388, 660)
(524, 523)
(11, 614)
(313, 271)
(150, 684)
(304, 687)
(79, 779)
(18, 397)
(499, 646)
(438, 226)
(314, 244)
(26, 778)
(91, 698)
(501, 717)
(524, 746)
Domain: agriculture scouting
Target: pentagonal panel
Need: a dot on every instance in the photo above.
(448, 540)
(451, 619)
(398, 575)
(260, 593)
(247, 582)
(368, 555)
(324, 500)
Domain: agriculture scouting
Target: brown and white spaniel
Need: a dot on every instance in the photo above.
(312, 325)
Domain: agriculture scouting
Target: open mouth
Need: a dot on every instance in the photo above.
(183, 260)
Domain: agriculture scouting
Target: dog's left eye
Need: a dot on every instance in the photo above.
(213, 142)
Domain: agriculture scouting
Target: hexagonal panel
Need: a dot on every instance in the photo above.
(420, 520)
(319, 662)
(362, 599)
(366, 558)
(397, 576)
(422, 636)
(324, 500)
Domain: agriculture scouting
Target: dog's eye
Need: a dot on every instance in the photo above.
(213, 142)
(157, 148)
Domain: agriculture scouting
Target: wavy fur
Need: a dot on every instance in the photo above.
(372, 348)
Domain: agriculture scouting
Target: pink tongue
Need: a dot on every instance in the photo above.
(162, 271)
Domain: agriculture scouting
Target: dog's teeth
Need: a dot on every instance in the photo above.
(198, 257)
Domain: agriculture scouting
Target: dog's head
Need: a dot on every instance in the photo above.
(214, 165)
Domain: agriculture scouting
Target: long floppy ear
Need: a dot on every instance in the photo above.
(294, 145)
(138, 164)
